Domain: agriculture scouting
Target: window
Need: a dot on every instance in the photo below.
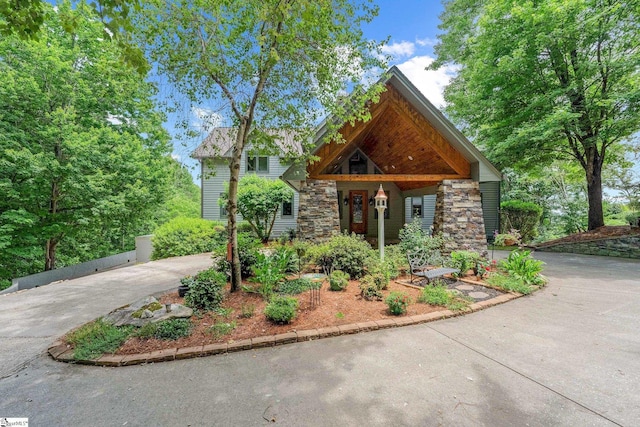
(416, 207)
(357, 165)
(287, 208)
(223, 207)
(259, 164)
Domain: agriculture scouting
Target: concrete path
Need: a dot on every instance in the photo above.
(568, 355)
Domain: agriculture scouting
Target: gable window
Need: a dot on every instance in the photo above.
(357, 164)
(223, 207)
(416, 207)
(258, 164)
(287, 208)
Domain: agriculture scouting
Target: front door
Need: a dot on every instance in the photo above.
(358, 211)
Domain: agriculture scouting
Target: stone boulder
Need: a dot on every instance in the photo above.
(146, 310)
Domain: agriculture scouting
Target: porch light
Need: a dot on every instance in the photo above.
(381, 205)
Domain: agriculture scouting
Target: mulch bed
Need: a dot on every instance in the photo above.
(599, 233)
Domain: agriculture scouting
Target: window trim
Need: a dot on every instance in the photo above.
(421, 207)
(282, 214)
(223, 208)
(256, 164)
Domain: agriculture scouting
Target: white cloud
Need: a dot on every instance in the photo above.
(430, 83)
(426, 42)
(205, 119)
(396, 50)
(176, 157)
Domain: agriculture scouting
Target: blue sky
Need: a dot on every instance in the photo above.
(412, 28)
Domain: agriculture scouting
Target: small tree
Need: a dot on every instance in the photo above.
(258, 202)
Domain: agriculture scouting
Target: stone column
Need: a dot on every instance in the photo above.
(318, 215)
(458, 215)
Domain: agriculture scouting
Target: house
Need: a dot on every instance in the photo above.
(427, 167)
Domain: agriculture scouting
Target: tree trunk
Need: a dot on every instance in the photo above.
(234, 169)
(594, 192)
(50, 254)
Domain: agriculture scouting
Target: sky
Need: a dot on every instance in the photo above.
(411, 27)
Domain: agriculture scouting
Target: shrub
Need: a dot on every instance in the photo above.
(287, 257)
(633, 218)
(344, 252)
(369, 289)
(523, 216)
(171, 329)
(395, 259)
(435, 295)
(187, 236)
(398, 302)
(297, 286)
(281, 309)
(463, 261)
(509, 284)
(338, 280)
(268, 271)
(413, 237)
(503, 238)
(96, 338)
(521, 266)
(248, 247)
(206, 292)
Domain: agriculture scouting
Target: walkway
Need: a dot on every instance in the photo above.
(568, 355)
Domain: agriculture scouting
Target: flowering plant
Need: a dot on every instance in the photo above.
(398, 302)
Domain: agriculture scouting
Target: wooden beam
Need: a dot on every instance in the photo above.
(388, 177)
(329, 152)
(449, 154)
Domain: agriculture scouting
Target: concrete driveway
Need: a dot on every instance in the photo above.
(567, 355)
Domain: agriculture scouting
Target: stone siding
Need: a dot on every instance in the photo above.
(623, 247)
(318, 215)
(458, 215)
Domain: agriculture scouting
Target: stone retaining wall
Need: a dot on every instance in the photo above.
(459, 216)
(318, 216)
(624, 247)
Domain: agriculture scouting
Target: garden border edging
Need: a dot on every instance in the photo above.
(63, 353)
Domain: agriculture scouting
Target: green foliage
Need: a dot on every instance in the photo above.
(395, 260)
(268, 272)
(413, 237)
(435, 295)
(370, 288)
(184, 195)
(168, 330)
(220, 329)
(344, 252)
(206, 292)
(398, 302)
(521, 266)
(281, 309)
(463, 261)
(544, 80)
(297, 286)
(93, 339)
(633, 218)
(522, 216)
(512, 237)
(248, 247)
(338, 280)
(187, 236)
(509, 283)
(83, 155)
(259, 199)
(286, 256)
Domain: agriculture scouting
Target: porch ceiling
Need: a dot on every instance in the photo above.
(404, 146)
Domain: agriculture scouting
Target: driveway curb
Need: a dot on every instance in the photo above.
(63, 353)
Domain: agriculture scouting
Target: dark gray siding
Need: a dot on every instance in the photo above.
(490, 206)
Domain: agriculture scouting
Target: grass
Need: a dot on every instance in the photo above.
(220, 329)
(509, 284)
(96, 338)
(172, 329)
(296, 286)
(440, 295)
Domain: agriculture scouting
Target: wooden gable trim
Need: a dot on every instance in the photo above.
(389, 177)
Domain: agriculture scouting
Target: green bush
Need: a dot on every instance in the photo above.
(509, 284)
(296, 286)
(206, 291)
(398, 302)
(344, 252)
(435, 295)
(281, 309)
(633, 218)
(463, 261)
(370, 288)
(413, 237)
(169, 330)
(187, 236)
(248, 246)
(338, 280)
(92, 340)
(523, 216)
(521, 266)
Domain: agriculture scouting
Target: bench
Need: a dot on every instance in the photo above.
(424, 263)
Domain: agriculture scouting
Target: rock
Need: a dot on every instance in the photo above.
(146, 310)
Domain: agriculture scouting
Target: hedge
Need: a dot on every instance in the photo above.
(187, 236)
(523, 216)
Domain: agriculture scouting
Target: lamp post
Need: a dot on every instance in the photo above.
(381, 205)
